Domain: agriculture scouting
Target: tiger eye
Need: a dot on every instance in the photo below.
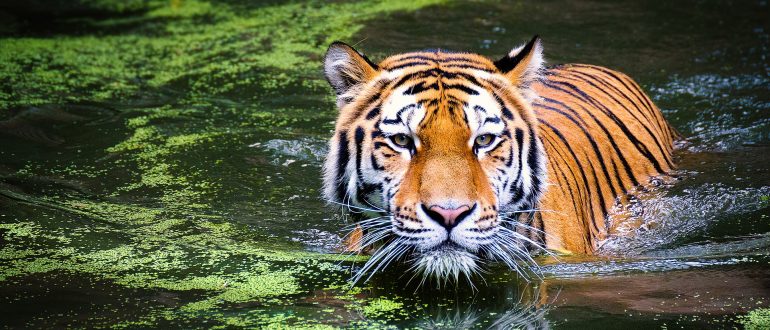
(484, 140)
(401, 140)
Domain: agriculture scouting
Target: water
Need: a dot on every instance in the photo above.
(159, 166)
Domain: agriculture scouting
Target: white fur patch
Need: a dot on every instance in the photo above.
(447, 262)
(401, 114)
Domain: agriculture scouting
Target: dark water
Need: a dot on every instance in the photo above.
(159, 166)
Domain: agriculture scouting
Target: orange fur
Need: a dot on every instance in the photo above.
(601, 135)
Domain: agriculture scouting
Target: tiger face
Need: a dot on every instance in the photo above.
(442, 149)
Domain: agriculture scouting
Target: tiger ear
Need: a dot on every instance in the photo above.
(523, 66)
(346, 69)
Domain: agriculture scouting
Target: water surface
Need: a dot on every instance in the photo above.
(159, 165)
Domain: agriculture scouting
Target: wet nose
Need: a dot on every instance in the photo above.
(448, 217)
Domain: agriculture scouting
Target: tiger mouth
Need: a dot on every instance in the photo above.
(446, 260)
(447, 246)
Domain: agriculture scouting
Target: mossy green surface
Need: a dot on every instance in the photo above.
(182, 84)
(197, 48)
(756, 319)
(381, 306)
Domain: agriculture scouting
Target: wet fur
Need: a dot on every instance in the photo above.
(571, 140)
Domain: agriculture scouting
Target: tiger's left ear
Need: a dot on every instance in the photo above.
(523, 66)
(347, 70)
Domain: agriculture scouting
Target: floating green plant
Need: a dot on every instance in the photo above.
(185, 80)
(756, 319)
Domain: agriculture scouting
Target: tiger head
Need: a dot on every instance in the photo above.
(443, 146)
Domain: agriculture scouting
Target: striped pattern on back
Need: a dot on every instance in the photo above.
(603, 136)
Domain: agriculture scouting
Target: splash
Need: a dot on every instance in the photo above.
(720, 113)
(655, 224)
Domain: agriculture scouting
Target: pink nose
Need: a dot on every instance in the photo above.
(449, 216)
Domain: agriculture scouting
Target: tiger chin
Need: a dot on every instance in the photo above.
(459, 161)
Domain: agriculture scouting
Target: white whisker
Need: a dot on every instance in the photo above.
(351, 207)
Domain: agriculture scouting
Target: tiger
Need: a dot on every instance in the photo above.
(462, 161)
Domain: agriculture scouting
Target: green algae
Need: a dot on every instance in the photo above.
(178, 84)
(267, 47)
(756, 319)
(152, 259)
(380, 307)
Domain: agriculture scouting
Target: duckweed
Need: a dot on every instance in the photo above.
(267, 47)
(381, 306)
(169, 72)
(756, 319)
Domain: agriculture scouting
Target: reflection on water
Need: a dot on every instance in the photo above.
(712, 293)
(159, 164)
(501, 303)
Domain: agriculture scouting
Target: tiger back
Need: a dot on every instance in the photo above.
(603, 136)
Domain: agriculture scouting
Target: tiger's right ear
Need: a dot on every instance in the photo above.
(346, 70)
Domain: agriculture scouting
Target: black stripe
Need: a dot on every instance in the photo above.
(639, 96)
(507, 114)
(533, 160)
(359, 138)
(408, 77)
(591, 140)
(343, 157)
(420, 87)
(466, 66)
(373, 113)
(518, 194)
(376, 165)
(391, 121)
(415, 57)
(444, 59)
(519, 144)
(466, 89)
(408, 64)
(650, 107)
(583, 76)
(434, 72)
(379, 144)
(364, 188)
(566, 145)
(587, 235)
(398, 116)
(468, 77)
(610, 139)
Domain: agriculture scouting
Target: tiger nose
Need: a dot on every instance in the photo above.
(446, 217)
